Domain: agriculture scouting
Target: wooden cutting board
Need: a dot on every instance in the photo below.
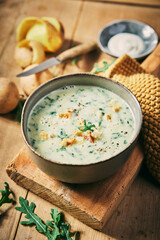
(94, 203)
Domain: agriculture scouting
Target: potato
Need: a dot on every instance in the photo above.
(30, 83)
(44, 76)
(9, 95)
(38, 51)
(56, 23)
(24, 26)
(48, 31)
(23, 56)
(47, 34)
(29, 52)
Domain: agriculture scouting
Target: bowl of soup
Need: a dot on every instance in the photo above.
(81, 128)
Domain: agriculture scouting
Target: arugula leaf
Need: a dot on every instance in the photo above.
(5, 195)
(54, 229)
(56, 216)
(104, 68)
(86, 127)
(75, 60)
(31, 216)
(66, 231)
(18, 111)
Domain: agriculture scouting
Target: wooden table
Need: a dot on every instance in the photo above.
(138, 215)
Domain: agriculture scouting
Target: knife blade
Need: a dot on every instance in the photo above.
(70, 53)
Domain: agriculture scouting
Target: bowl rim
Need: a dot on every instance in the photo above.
(135, 137)
(106, 50)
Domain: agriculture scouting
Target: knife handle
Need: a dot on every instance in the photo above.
(78, 50)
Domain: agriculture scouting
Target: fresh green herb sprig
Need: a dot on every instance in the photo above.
(54, 229)
(86, 127)
(5, 195)
(104, 68)
(18, 111)
(75, 60)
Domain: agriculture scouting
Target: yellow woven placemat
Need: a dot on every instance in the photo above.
(146, 88)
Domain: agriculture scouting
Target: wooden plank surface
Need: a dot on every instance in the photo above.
(151, 3)
(138, 216)
(152, 62)
(101, 14)
(92, 204)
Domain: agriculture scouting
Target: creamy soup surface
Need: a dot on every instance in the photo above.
(80, 125)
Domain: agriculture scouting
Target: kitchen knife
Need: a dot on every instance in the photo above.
(70, 53)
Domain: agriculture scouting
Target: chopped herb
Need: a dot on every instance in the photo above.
(116, 135)
(91, 151)
(63, 134)
(100, 121)
(57, 98)
(37, 109)
(72, 154)
(125, 142)
(5, 195)
(80, 90)
(86, 127)
(101, 118)
(49, 99)
(121, 121)
(104, 68)
(53, 113)
(63, 148)
(53, 229)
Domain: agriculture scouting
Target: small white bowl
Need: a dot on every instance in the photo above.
(140, 29)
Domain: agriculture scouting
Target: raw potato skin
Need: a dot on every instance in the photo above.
(9, 95)
(30, 83)
(44, 76)
(23, 56)
(49, 31)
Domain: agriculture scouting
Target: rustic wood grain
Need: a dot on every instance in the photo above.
(152, 63)
(112, 12)
(9, 145)
(92, 204)
(151, 3)
(11, 13)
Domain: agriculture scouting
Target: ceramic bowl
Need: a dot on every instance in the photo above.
(83, 173)
(144, 31)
